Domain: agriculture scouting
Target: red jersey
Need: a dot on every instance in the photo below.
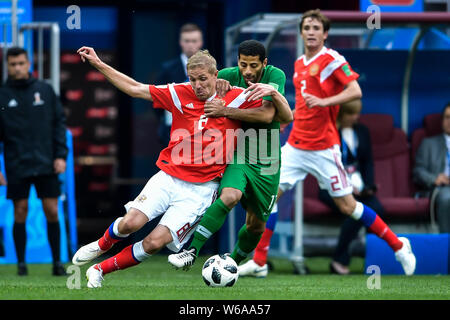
(198, 150)
(324, 75)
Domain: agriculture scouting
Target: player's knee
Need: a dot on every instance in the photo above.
(51, 212)
(52, 216)
(230, 197)
(20, 212)
(153, 244)
(346, 208)
(128, 225)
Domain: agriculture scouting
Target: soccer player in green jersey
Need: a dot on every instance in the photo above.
(253, 176)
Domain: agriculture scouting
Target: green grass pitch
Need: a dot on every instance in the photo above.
(155, 279)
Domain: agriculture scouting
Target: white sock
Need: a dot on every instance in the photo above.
(138, 251)
(116, 229)
(359, 209)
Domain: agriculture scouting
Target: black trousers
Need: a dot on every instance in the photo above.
(350, 227)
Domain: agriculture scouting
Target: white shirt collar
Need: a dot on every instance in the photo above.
(322, 51)
(447, 140)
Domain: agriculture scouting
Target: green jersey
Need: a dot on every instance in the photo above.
(258, 174)
(265, 134)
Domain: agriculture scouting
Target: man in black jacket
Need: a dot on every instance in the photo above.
(191, 41)
(32, 128)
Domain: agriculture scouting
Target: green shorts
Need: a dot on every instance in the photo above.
(259, 191)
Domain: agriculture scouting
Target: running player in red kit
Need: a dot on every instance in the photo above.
(190, 166)
(323, 80)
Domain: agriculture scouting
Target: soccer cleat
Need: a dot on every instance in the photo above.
(406, 257)
(252, 269)
(183, 259)
(87, 253)
(94, 277)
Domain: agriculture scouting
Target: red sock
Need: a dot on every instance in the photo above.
(380, 228)
(106, 242)
(261, 250)
(124, 259)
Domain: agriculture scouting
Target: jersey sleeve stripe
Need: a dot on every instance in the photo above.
(330, 68)
(239, 100)
(175, 99)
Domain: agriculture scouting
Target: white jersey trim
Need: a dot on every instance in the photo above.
(239, 100)
(307, 62)
(332, 66)
(175, 99)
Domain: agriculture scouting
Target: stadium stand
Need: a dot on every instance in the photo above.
(392, 169)
(393, 177)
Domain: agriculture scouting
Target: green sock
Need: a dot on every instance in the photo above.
(246, 243)
(211, 222)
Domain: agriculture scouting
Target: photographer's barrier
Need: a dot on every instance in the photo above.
(431, 251)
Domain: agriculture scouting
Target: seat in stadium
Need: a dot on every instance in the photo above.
(313, 208)
(393, 174)
(432, 125)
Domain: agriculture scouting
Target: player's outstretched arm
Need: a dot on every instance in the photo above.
(260, 90)
(119, 80)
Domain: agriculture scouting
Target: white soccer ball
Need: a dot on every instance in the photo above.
(220, 271)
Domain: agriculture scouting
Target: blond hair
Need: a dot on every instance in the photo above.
(202, 59)
(350, 107)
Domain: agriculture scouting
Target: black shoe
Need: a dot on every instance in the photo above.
(58, 269)
(22, 269)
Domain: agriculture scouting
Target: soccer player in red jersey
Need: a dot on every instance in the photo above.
(323, 80)
(191, 165)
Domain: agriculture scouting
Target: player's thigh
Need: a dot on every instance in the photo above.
(155, 198)
(326, 166)
(233, 177)
(186, 210)
(292, 167)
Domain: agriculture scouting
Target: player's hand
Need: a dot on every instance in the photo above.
(313, 101)
(59, 165)
(259, 90)
(215, 108)
(442, 179)
(222, 87)
(2, 180)
(89, 54)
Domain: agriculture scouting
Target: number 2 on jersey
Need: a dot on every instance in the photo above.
(303, 87)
